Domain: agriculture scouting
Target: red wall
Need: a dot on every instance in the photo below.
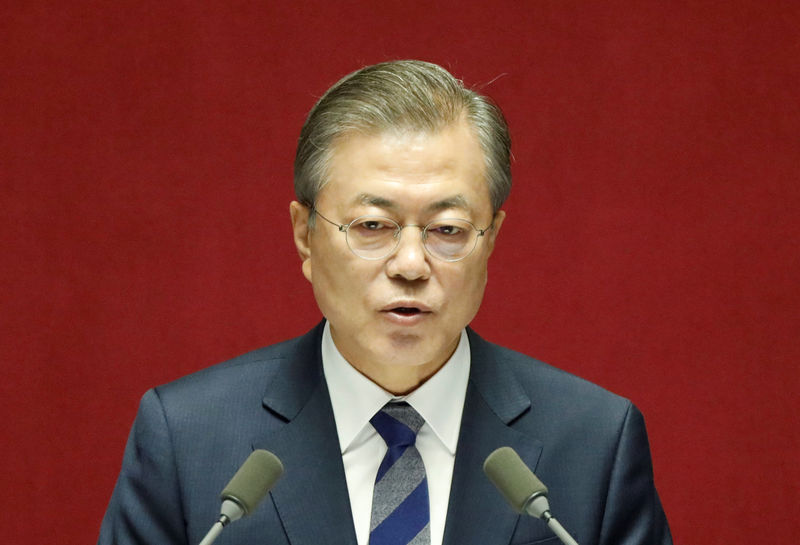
(651, 243)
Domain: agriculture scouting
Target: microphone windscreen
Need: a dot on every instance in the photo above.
(512, 477)
(252, 481)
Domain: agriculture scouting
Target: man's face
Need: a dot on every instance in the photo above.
(398, 319)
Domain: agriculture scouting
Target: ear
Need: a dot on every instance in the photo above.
(302, 235)
(492, 235)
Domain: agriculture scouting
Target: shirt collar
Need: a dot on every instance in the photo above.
(355, 398)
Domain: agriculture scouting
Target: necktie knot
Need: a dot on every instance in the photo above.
(397, 424)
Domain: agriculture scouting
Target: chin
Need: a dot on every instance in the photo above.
(412, 350)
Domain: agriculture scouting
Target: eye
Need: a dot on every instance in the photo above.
(371, 225)
(447, 230)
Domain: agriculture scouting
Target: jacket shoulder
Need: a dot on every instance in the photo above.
(547, 387)
(246, 375)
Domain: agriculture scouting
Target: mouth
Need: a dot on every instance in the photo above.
(407, 310)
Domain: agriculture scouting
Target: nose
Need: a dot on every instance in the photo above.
(410, 260)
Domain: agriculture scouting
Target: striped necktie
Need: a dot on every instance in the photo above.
(400, 507)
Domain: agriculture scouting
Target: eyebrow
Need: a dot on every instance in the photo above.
(456, 201)
(374, 200)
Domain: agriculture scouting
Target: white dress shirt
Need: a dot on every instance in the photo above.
(355, 399)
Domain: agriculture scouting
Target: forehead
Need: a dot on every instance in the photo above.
(408, 168)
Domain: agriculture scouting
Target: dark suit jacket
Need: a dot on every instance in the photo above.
(190, 436)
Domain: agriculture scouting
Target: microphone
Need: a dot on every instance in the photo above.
(246, 489)
(522, 489)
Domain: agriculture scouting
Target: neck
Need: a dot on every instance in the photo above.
(398, 373)
(399, 379)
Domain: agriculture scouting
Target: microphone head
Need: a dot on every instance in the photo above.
(253, 480)
(513, 478)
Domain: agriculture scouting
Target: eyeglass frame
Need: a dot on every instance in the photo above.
(344, 227)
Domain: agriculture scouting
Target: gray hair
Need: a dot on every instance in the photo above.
(400, 95)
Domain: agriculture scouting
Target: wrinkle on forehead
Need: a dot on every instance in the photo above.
(455, 201)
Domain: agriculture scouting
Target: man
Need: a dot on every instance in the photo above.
(400, 175)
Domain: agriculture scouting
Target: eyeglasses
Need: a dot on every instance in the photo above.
(377, 237)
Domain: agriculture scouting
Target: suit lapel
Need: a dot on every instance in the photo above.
(311, 499)
(477, 514)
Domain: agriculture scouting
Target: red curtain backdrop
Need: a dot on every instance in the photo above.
(651, 244)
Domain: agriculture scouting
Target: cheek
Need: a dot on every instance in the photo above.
(465, 288)
(478, 287)
(339, 283)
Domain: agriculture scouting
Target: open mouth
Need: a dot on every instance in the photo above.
(406, 311)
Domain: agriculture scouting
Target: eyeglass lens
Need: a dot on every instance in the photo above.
(374, 237)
